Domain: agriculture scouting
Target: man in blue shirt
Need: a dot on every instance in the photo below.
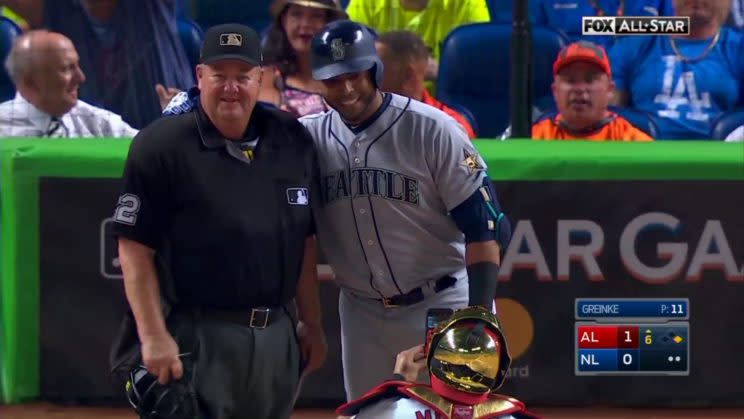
(683, 82)
(565, 15)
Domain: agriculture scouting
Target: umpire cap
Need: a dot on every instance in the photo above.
(344, 47)
(231, 41)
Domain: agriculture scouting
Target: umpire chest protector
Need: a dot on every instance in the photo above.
(229, 231)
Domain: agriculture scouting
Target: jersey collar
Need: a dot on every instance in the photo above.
(211, 136)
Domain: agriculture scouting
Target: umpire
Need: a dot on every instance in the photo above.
(216, 240)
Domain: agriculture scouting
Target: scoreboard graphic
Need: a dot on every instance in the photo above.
(632, 337)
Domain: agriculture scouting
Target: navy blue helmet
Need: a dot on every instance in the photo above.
(344, 47)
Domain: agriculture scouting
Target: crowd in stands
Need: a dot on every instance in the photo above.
(130, 62)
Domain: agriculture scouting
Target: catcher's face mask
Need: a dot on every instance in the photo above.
(152, 400)
(468, 352)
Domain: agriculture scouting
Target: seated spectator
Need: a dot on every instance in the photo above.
(736, 135)
(126, 49)
(405, 58)
(582, 88)
(287, 78)
(288, 82)
(565, 15)
(45, 69)
(433, 20)
(466, 359)
(735, 19)
(685, 82)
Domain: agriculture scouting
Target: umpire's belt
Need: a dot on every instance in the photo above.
(417, 295)
(257, 318)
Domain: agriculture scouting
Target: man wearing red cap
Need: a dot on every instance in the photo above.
(583, 88)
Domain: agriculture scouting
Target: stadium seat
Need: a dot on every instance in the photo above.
(183, 9)
(191, 36)
(726, 123)
(254, 13)
(501, 11)
(475, 71)
(467, 114)
(640, 119)
(9, 31)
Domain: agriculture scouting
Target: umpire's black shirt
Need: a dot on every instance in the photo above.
(227, 233)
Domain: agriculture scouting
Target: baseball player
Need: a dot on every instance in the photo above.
(409, 220)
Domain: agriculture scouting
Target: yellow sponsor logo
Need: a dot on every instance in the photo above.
(517, 325)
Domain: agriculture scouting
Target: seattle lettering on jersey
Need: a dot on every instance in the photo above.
(370, 181)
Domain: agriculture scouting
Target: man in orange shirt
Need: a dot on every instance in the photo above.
(582, 88)
(405, 58)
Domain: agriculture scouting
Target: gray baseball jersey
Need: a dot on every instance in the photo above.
(387, 191)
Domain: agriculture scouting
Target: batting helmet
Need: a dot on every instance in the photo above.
(468, 352)
(152, 400)
(344, 47)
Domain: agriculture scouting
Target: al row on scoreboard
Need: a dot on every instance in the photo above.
(651, 348)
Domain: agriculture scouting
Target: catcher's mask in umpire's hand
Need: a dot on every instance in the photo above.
(152, 400)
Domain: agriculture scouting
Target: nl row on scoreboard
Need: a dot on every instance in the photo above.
(632, 336)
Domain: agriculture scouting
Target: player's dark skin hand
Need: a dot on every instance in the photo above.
(313, 345)
(410, 362)
(160, 356)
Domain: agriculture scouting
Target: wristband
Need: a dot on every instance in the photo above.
(482, 282)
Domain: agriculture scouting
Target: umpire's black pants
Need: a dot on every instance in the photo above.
(244, 372)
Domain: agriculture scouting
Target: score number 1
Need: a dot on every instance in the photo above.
(629, 339)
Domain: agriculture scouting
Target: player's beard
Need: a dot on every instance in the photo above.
(365, 111)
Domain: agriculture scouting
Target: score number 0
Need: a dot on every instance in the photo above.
(628, 358)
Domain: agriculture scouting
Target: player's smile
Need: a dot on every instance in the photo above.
(350, 101)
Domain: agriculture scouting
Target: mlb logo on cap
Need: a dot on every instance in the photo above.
(231, 41)
(234, 39)
(297, 196)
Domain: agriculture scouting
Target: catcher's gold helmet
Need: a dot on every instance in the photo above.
(468, 352)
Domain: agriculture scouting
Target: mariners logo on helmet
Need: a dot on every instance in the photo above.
(338, 50)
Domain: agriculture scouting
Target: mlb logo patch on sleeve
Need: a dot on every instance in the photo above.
(297, 196)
